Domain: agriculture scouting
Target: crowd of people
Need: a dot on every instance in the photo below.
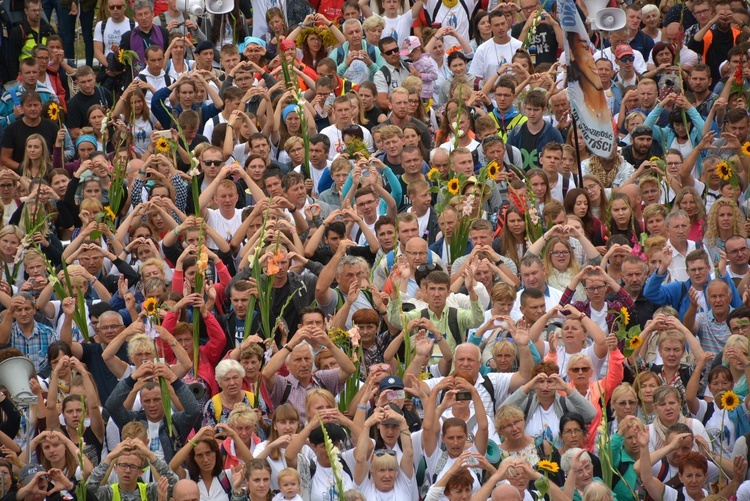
(335, 250)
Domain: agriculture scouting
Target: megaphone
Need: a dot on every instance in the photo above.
(192, 7)
(594, 6)
(610, 19)
(219, 6)
(493, 452)
(15, 373)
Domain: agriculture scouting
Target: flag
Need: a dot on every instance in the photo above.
(588, 105)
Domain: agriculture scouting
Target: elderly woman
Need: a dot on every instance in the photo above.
(668, 406)
(510, 424)
(141, 348)
(239, 436)
(579, 374)
(229, 376)
(544, 407)
(693, 468)
(579, 472)
(671, 350)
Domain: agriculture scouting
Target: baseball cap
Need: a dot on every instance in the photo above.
(27, 472)
(624, 50)
(391, 383)
(641, 130)
(204, 45)
(409, 45)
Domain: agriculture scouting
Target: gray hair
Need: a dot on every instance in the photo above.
(676, 214)
(112, 314)
(303, 343)
(351, 22)
(142, 4)
(597, 491)
(566, 461)
(226, 366)
(349, 260)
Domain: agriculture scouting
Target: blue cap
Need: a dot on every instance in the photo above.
(253, 41)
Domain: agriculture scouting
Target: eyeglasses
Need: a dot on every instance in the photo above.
(382, 452)
(573, 431)
(591, 187)
(113, 327)
(215, 163)
(127, 467)
(701, 12)
(530, 8)
(117, 7)
(596, 288)
(417, 253)
(627, 59)
(369, 202)
(6, 186)
(737, 251)
(514, 424)
(702, 269)
(579, 370)
(559, 253)
(627, 403)
(390, 52)
(673, 164)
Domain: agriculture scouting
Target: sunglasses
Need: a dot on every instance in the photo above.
(491, 139)
(382, 452)
(627, 59)
(215, 163)
(579, 370)
(390, 52)
(429, 267)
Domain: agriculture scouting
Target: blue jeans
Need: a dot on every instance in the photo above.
(67, 32)
(50, 6)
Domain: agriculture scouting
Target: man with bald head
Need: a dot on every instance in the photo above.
(506, 492)
(673, 34)
(185, 490)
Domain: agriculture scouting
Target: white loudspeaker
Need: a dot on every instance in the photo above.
(594, 6)
(610, 19)
(219, 6)
(192, 7)
(15, 373)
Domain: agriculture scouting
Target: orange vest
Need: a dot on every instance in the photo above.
(708, 38)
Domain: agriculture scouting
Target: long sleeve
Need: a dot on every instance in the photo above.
(136, 192)
(180, 191)
(661, 294)
(163, 469)
(185, 419)
(518, 398)
(13, 422)
(127, 271)
(217, 340)
(581, 405)
(94, 482)
(115, 403)
(178, 277)
(159, 109)
(615, 373)
(470, 319)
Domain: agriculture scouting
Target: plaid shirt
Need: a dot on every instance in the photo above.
(35, 346)
(622, 299)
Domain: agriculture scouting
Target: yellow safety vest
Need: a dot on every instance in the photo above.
(142, 487)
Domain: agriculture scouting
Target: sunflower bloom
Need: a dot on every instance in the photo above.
(746, 149)
(635, 342)
(654, 159)
(433, 175)
(121, 57)
(724, 171)
(150, 305)
(162, 145)
(108, 211)
(547, 466)
(453, 186)
(53, 112)
(729, 401)
(492, 170)
(625, 315)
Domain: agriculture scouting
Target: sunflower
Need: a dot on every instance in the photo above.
(150, 305)
(162, 145)
(625, 315)
(654, 159)
(453, 186)
(121, 57)
(729, 401)
(724, 171)
(108, 211)
(434, 174)
(53, 112)
(492, 170)
(635, 342)
(424, 376)
(547, 466)
(746, 149)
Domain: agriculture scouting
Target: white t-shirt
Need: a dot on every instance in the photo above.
(337, 140)
(157, 81)
(279, 464)
(222, 225)
(215, 491)
(142, 133)
(543, 423)
(322, 483)
(154, 440)
(210, 124)
(439, 465)
(112, 33)
(398, 27)
(455, 17)
(557, 190)
(491, 55)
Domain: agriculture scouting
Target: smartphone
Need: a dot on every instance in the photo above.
(166, 134)
(463, 396)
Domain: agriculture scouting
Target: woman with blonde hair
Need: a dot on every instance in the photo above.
(11, 237)
(36, 158)
(497, 323)
(724, 220)
(240, 437)
(285, 423)
(624, 403)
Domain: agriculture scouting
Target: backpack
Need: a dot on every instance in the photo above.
(225, 483)
(288, 390)
(344, 466)
(218, 406)
(452, 323)
(440, 4)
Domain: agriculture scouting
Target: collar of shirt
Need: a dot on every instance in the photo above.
(35, 332)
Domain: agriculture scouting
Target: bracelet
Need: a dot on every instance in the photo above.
(193, 443)
(581, 316)
(286, 347)
(363, 407)
(177, 233)
(230, 126)
(405, 432)
(330, 24)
